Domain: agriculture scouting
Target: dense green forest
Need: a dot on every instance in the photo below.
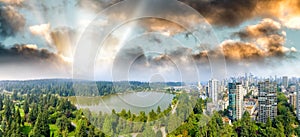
(64, 87)
(46, 113)
(40, 115)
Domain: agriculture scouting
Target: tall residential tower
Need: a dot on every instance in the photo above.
(232, 99)
(213, 89)
(298, 101)
(267, 100)
(285, 81)
(236, 98)
(239, 100)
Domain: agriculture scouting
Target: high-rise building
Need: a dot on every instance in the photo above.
(285, 81)
(236, 98)
(213, 88)
(293, 99)
(239, 100)
(267, 101)
(298, 101)
(232, 99)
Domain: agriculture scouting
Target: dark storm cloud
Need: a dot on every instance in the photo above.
(234, 12)
(219, 12)
(11, 22)
(224, 12)
(22, 53)
(26, 61)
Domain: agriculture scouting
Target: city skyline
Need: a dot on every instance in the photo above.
(237, 78)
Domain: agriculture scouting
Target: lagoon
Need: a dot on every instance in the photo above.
(133, 101)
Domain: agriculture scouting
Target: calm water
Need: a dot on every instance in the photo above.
(133, 101)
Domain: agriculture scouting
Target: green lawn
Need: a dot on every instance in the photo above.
(53, 129)
(26, 128)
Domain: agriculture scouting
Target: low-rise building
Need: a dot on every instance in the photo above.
(250, 105)
(226, 120)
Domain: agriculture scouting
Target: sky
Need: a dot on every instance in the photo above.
(185, 40)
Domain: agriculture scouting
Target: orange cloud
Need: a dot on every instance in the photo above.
(43, 30)
(241, 51)
(17, 2)
(234, 12)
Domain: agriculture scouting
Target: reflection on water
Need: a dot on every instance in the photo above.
(133, 101)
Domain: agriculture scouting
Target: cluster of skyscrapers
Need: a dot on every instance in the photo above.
(263, 94)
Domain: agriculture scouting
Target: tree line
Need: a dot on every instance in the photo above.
(32, 114)
(65, 87)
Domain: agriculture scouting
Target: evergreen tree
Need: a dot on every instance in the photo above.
(247, 126)
(65, 132)
(198, 107)
(1, 103)
(26, 107)
(279, 127)
(41, 127)
(138, 126)
(158, 110)
(107, 126)
(159, 133)
(7, 109)
(18, 118)
(63, 123)
(81, 130)
(128, 114)
(15, 130)
(14, 95)
(91, 130)
(33, 113)
(173, 122)
(152, 115)
(148, 132)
